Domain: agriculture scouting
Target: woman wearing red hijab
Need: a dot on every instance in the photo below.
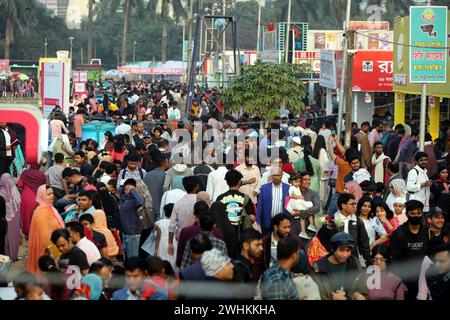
(29, 182)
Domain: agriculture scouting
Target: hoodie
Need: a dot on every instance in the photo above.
(175, 175)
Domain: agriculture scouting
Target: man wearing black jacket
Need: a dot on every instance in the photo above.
(353, 226)
(246, 269)
(409, 245)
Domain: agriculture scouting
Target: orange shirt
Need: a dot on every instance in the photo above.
(344, 168)
(78, 120)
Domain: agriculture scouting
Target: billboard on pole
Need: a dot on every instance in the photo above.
(52, 86)
(428, 34)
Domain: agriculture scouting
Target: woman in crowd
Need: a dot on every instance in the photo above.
(386, 216)
(3, 225)
(29, 182)
(119, 151)
(321, 154)
(110, 207)
(354, 188)
(375, 230)
(108, 142)
(46, 219)
(100, 225)
(440, 190)
(398, 190)
(320, 244)
(311, 165)
(10, 193)
(389, 286)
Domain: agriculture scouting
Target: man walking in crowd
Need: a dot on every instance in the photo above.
(408, 246)
(379, 164)
(276, 282)
(418, 184)
(271, 200)
(363, 141)
(353, 226)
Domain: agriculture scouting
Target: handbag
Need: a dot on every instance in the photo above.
(5, 264)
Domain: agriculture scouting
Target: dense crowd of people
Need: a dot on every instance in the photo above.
(15, 88)
(357, 216)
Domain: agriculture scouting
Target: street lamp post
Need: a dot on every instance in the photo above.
(288, 26)
(45, 46)
(134, 50)
(71, 46)
(258, 36)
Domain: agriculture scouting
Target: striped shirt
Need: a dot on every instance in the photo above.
(277, 201)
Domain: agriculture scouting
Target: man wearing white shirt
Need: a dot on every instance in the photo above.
(216, 184)
(78, 238)
(171, 196)
(418, 184)
(173, 113)
(5, 148)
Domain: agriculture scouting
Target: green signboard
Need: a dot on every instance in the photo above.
(428, 34)
(186, 49)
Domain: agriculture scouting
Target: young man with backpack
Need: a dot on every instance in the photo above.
(132, 171)
(418, 184)
(130, 201)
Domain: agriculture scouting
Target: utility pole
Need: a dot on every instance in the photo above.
(81, 55)
(349, 81)
(190, 25)
(344, 69)
(134, 50)
(258, 35)
(224, 63)
(423, 111)
(288, 32)
(45, 46)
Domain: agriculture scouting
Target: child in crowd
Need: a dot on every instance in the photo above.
(296, 202)
(162, 235)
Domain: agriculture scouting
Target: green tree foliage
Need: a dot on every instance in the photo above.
(262, 88)
(16, 18)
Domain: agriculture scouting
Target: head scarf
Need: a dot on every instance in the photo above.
(101, 226)
(401, 200)
(42, 200)
(10, 193)
(399, 188)
(107, 200)
(33, 178)
(91, 288)
(354, 188)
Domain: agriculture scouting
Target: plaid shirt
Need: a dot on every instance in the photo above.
(277, 284)
(187, 259)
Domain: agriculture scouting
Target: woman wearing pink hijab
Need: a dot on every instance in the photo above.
(354, 188)
(46, 219)
(10, 193)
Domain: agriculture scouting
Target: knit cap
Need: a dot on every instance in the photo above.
(213, 261)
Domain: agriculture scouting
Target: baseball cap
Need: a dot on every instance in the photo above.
(435, 211)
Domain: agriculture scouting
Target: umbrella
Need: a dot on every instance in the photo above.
(5, 73)
(112, 73)
(23, 76)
